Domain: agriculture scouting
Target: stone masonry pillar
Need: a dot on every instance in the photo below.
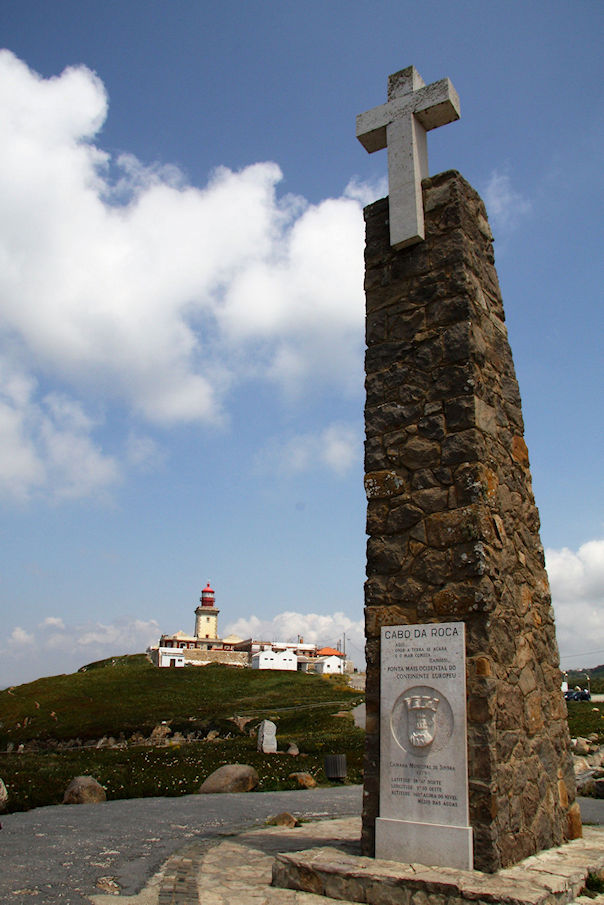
(452, 523)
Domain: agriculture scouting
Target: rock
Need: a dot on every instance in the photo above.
(598, 791)
(283, 819)
(109, 885)
(580, 746)
(597, 759)
(305, 780)
(159, 734)
(580, 765)
(3, 796)
(84, 790)
(585, 784)
(212, 734)
(241, 721)
(230, 778)
(293, 749)
(267, 737)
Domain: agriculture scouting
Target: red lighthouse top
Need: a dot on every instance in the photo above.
(207, 596)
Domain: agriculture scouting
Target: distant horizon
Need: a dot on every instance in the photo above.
(573, 669)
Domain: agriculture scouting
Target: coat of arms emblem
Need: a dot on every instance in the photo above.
(421, 726)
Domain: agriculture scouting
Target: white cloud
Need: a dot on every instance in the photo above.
(337, 448)
(365, 192)
(122, 283)
(63, 648)
(505, 206)
(52, 622)
(315, 628)
(47, 441)
(577, 585)
(21, 637)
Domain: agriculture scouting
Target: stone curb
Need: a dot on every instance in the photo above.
(554, 876)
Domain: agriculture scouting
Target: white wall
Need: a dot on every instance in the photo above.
(271, 659)
(166, 654)
(329, 665)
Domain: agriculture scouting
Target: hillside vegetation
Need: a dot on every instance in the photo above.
(52, 728)
(579, 677)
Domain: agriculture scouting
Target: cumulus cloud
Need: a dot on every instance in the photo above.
(52, 622)
(20, 637)
(315, 628)
(63, 648)
(505, 206)
(122, 283)
(46, 441)
(337, 448)
(577, 585)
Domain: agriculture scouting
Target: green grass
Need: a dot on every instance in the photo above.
(36, 779)
(127, 695)
(586, 718)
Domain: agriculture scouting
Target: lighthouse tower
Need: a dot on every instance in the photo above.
(206, 617)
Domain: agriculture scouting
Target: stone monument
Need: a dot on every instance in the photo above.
(267, 737)
(453, 531)
(423, 749)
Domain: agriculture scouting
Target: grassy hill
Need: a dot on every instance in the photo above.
(596, 675)
(59, 721)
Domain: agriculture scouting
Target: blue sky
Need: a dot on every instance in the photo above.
(181, 335)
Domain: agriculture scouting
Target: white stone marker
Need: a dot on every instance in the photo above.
(413, 109)
(424, 813)
(267, 737)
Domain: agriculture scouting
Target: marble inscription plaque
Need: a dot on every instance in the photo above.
(423, 745)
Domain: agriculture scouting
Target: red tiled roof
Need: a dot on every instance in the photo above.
(329, 652)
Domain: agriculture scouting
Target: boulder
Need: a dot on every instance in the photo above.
(581, 746)
(160, 733)
(3, 796)
(283, 819)
(580, 765)
(84, 790)
(293, 749)
(305, 780)
(230, 778)
(586, 784)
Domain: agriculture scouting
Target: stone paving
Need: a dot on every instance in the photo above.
(237, 870)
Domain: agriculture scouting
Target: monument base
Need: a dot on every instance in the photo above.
(553, 877)
(426, 843)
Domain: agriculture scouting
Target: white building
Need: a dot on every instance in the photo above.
(206, 646)
(170, 657)
(275, 659)
(329, 665)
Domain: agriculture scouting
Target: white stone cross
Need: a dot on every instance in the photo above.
(413, 108)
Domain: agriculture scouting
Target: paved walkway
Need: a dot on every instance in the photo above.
(211, 849)
(239, 870)
(68, 853)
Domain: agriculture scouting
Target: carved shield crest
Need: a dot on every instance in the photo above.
(421, 726)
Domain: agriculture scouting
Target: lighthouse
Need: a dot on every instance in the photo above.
(206, 616)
